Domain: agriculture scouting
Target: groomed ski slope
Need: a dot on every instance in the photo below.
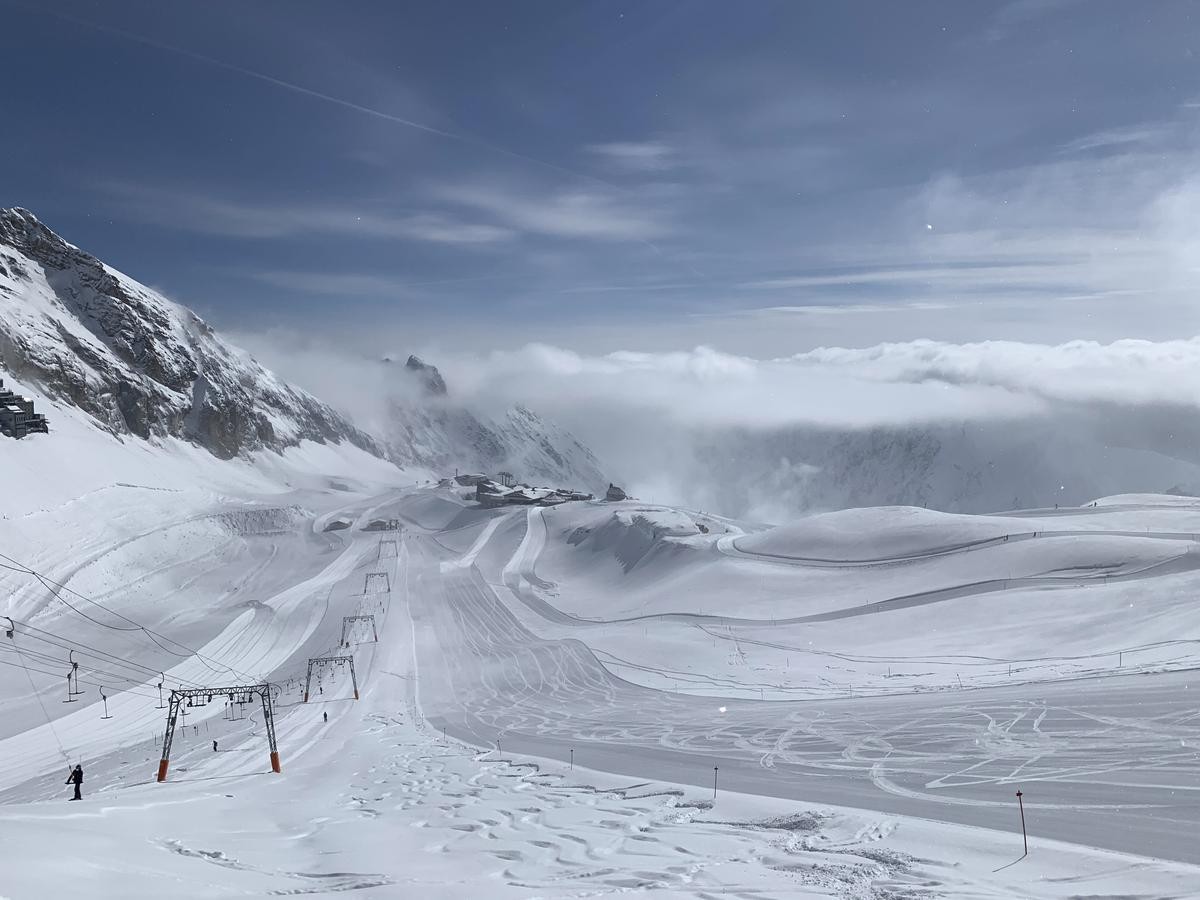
(503, 629)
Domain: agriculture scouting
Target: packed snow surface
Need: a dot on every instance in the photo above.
(556, 693)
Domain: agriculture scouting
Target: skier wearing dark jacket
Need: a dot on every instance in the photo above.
(76, 778)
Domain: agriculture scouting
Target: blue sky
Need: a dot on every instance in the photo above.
(761, 177)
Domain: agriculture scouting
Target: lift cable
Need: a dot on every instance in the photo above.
(45, 713)
(98, 684)
(137, 626)
(50, 585)
(34, 633)
(83, 681)
(47, 659)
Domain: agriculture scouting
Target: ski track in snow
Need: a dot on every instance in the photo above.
(376, 801)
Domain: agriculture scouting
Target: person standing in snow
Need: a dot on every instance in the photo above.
(214, 746)
(326, 715)
(76, 778)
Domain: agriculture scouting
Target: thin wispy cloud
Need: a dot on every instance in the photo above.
(793, 195)
(1011, 16)
(358, 284)
(331, 283)
(1118, 138)
(850, 309)
(458, 136)
(636, 156)
(943, 277)
(563, 213)
(210, 214)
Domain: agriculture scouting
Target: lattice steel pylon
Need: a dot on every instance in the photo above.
(175, 703)
(321, 661)
(377, 583)
(388, 550)
(348, 625)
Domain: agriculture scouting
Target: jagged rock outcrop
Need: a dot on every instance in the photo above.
(137, 362)
(428, 427)
(431, 378)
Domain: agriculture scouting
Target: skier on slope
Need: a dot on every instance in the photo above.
(76, 778)
(326, 715)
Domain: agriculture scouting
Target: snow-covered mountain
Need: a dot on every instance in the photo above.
(969, 467)
(138, 363)
(426, 427)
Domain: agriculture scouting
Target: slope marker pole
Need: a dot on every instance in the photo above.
(1024, 835)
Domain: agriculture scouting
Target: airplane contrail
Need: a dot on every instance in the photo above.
(464, 138)
(460, 137)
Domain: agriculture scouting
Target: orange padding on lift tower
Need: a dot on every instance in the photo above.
(162, 769)
(274, 761)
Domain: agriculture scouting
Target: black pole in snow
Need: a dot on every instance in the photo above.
(1024, 835)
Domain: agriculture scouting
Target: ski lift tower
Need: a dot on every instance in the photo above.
(320, 662)
(348, 623)
(205, 696)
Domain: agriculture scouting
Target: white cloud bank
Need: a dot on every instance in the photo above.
(886, 385)
(979, 426)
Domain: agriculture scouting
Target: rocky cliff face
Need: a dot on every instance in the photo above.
(428, 427)
(134, 360)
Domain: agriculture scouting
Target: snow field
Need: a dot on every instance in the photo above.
(623, 632)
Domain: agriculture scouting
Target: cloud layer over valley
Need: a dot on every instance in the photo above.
(956, 426)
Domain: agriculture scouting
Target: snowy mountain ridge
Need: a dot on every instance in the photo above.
(139, 364)
(136, 362)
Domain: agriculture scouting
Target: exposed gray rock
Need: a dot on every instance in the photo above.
(137, 362)
(437, 432)
(431, 379)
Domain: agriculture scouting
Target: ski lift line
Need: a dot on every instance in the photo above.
(166, 649)
(19, 665)
(46, 659)
(83, 649)
(138, 626)
(86, 650)
(58, 675)
(49, 721)
(59, 598)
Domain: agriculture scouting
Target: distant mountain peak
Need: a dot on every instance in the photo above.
(431, 379)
